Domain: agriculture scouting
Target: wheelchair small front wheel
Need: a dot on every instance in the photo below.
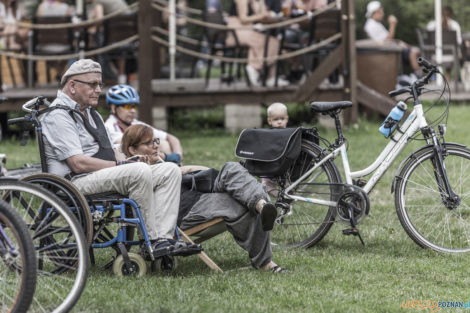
(135, 267)
(165, 265)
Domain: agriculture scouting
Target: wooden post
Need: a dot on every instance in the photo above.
(350, 69)
(157, 21)
(145, 61)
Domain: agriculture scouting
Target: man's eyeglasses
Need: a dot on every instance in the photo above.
(93, 85)
(151, 142)
(129, 106)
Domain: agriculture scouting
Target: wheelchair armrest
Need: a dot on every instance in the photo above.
(106, 197)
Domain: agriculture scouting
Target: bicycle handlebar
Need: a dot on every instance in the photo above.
(17, 120)
(38, 101)
(398, 92)
(428, 68)
(426, 64)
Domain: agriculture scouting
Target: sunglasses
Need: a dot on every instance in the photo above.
(129, 106)
(151, 142)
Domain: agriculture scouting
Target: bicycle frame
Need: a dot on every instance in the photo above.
(6, 247)
(413, 123)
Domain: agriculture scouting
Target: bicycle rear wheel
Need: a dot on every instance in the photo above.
(306, 223)
(420, 206)
(60, 245)
(17, 262)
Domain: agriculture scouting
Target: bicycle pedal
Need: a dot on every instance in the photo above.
(350, 231)
(354, 232)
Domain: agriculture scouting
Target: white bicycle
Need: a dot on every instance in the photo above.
(431, 185)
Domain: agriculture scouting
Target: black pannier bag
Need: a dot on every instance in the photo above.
(269, 152)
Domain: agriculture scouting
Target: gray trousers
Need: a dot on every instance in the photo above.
(155, 188)
(234, 199)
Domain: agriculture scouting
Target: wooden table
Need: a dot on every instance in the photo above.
(378, 64)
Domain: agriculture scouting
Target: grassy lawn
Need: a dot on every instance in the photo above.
(337, 275)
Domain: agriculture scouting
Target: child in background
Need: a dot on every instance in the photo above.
(277, 118)
(277, 115)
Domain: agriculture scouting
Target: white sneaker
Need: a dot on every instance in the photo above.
(281, 82)
(325, 84)
(122, 79)
(253, 75)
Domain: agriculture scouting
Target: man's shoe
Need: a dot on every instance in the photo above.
(161, 247)
(268, 216)
(183, 248)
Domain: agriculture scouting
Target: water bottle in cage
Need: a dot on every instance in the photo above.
(393, 118)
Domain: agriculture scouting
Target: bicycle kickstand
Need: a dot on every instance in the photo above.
(354, 230)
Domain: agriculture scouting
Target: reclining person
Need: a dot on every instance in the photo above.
(123, 101)
(77, 147)
(237, 197)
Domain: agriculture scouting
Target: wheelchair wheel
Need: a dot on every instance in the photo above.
(165, 265)
(302, 224)
(136, 267)
(60, 246)
(70, 195)
(17, 262)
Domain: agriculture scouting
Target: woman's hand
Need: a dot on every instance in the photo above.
(153, 159)
(138, 158)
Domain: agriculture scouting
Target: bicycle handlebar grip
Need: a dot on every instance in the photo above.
(426, 64)
(397, 92)
(17, 120)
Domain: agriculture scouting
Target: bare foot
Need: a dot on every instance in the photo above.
(268, 266)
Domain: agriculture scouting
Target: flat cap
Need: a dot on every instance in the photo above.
(82, 66)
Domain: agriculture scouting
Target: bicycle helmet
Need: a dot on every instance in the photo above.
(122, 94)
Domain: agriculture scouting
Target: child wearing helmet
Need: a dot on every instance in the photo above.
(123, 101)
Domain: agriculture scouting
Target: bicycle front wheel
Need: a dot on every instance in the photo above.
(17, 262)
(305, 223)
(60, 246)
(419, 202)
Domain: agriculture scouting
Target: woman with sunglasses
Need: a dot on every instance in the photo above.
(123, 101)
(236, 196)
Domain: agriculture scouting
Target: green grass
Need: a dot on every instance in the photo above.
(337, 275)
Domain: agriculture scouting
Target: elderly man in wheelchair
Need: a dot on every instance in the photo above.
(77, 147)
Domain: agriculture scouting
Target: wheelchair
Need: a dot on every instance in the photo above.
(108, 220)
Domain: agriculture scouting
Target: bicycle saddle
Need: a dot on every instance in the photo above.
(322, 107)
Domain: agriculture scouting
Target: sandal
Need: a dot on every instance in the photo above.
(268, 216)
(279, 270)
